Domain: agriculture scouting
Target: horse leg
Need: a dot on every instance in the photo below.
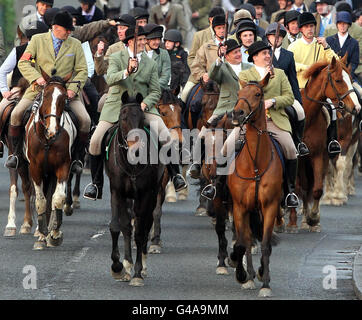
(221, 215)
(292, 225)
(55, 237)
(40, 205)
(184, 193)
(118, 269)
(68, 206)
(10, 229)
(338, 196)
(76, 191)
(27, 191)
(155, 246)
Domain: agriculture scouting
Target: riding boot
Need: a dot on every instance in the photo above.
(209, 192)
(15, 146)
(1, 149)
(333, 146)
(177, 179)
(291, 200)
(298, 134)
(79, 152)
(195, 168)
(93, 191)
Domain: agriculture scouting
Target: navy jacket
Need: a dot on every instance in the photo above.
(351, 46)
(286, 62)
(81, 20)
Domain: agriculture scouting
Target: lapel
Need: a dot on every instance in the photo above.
(336, 40)
(142, 66)
(255, 74)
(49, 44)
(63, 48)
(231, 72)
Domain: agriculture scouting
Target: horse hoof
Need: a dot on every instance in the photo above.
(154, 248)
(201, 212)
(36, 233)
(304, 226)
(254, 249)
(232, 263)
(292, 229)
(265, 293)
(338, 202)
(316, 228)
(54, 242)
(137, 282)
(68, 210)
(249, 285)
(182, 197)
(9, 232)
(76, 204)
(279, 229)
(171, 199)
(25, 229)
(39, 245)
(222, 271)
(144, 273)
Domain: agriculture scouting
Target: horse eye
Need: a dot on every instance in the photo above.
(339, 81)
(257, 94)
(163, 114)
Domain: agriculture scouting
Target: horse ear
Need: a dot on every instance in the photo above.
(264, 82)
(139, 98)
(125, 97)
(67, 77)
(333, 64)
(44, 75)
(176, 91)
(242, 83)
(344, 59)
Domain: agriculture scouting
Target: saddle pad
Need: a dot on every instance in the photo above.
(193, 103)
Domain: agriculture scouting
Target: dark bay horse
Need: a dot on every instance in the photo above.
(171, 113)
(49, 134)
(326, 80)
(137, 181)
(255, 186)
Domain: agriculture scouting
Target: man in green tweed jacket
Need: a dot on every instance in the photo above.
(44, 49)
(120, 79)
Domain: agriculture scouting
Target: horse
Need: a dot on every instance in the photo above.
(170, 111)
(49, 134)
(10, 228)
(140, 182)
(255, 186)
(325, 80)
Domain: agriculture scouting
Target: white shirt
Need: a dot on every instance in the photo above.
(277, 53)
(244, 54)
(131, 55)
(326, 20)
(164, 8)
(262, 71)
(342, 39)
(306, 42)
(90, 13)
(7, 67)
(149, 53)
(88, 58)
(236, 68)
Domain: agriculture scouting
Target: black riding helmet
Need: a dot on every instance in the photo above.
(245, 25)
(173, 35)
(153, 31)
(40, 27)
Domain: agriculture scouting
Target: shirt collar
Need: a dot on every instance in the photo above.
(261, 71)
(131, 54)
(55, 38)
(306, 42)
(165, 8)
(90, 13)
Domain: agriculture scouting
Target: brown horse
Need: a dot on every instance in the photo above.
(170, 111)
(49, 134)
(326, 80)
(255, 186)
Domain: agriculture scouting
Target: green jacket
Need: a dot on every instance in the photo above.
(278, 88)
(228, 82)
(203, 7)
(163, 62)
(144, 81)
(70, 59)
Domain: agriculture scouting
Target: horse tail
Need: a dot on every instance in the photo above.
(256, 226)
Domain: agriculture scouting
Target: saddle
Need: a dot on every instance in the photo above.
(193, 104)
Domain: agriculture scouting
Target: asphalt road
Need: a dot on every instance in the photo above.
(80, 268)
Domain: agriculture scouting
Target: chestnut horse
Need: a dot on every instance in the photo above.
(49, 134)
(138, 181)
(170, 111)
(255, 186)
(326, 80)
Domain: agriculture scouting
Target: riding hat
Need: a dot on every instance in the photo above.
(231, 45)
(344, 16)
(91, 2)
(216, 11)
(290, 16)
(130, 33)
(245, 25)
(73, 11)
(173, 35)
(329, 2)
(255, 48)
(280, 16)
(49, 2)
(40, 27)
(218, 20)
(272, 28)
(64, 19)
(241, 15)
(343, 6)
(126, 20)
(139, 13)
(49, 16)
(153, 31)
(306, 18)
(257, 2)
(250, 8)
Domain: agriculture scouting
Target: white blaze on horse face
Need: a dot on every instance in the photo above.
(353, 95)
(172, 107)
(53, 109)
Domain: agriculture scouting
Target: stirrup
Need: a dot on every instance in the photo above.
(300, 144)
(91, 184)
(209, 198)
(360, 126)
(185, 182)
(1, 149)
(286, 200)
(17, 161)
(329, 147)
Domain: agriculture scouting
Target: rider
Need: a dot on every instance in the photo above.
(226, 75)
(278, 94)
(291, 25)
(307, 50)
(283, 59)
(121, 78)
(157, 54)
(52, 51)
(246, 36)
(140, 14)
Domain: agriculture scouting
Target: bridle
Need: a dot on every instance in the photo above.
(341, 105)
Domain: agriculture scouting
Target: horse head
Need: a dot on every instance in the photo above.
(250, 103)
(54, 95)
(210, 97)
(131, 119)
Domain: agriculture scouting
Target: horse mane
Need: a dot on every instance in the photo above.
(57, 79)
(315, 69)
(167, 97)
(211, 86)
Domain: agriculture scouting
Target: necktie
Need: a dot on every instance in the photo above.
(88, 17)
(57, 45)
(299, 10)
